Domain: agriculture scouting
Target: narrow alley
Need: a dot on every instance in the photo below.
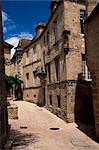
(31, 131)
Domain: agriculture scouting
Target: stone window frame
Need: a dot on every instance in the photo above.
(55, 29)
(82, 20)
(49, 72)
(48, 40)
(59, 101)
(57, 68)
(44, 39)
(27, 56)
(85, 70)
(34, 49)
(27, 76)
(50, 98)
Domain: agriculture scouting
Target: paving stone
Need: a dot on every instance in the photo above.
(38, 135)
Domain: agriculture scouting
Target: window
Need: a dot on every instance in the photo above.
(44, 57)
(34, 49)
(27, 57)
(50, 97)
(55, 30)
(34, 73)
(57, 66)
(82, 18)
(27, 54)
(44, 39)
(35, 95)
(65, 40)
(58, 100)
(49, 73)
(85, 70)
(48, 40)
(27, 76)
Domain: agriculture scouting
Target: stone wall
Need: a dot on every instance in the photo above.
(7, 55)
(91, 5)
(12, 111)
(32, 85)
(92, 47)
(70, 63)
(59, 94)
(3, 106)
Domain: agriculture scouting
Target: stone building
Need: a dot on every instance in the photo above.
(17, 59)
(3, 105)
(17, 68)
(92, 49)
(7, 56)
(91, 5)
(32, 62)
(55, 71)
(63, 51)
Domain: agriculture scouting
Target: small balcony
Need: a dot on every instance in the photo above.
(41, 73)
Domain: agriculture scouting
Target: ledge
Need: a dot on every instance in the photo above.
(32, 63)
(32, 87)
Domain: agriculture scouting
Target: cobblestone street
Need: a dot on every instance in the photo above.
(32, 131)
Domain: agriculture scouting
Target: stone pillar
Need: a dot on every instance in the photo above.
(3, 92)
(71, 88)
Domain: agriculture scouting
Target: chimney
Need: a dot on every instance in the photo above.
(39, 29)
(54, 4)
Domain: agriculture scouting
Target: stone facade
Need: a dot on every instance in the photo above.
(7, 56)
(12, 111)
(31, 61)
(55, 66)
(17, 59)
(92, 48)
(17, 68)
(63, 59)
(3, 105)
(91, 5)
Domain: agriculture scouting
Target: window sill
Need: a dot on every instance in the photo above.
(56, 82)
(82, 35)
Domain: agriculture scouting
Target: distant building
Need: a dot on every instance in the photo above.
(32, 61)
(17, 67)
(92, 48)
(17, 59)
(7, 56)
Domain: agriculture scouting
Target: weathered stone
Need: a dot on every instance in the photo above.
(92, 47)
(12, 111)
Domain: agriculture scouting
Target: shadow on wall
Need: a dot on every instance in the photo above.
(41, 94)
(41, 97)
(23, 140)
(84, 114)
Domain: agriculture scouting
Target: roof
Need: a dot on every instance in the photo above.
(93, 13)
(54, 2)
(40, 25)
(35, 39)
(23, 42)
(7, 45)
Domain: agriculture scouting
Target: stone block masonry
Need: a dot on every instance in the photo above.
(3, 106)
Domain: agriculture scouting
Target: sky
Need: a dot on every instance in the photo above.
(20, 18)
